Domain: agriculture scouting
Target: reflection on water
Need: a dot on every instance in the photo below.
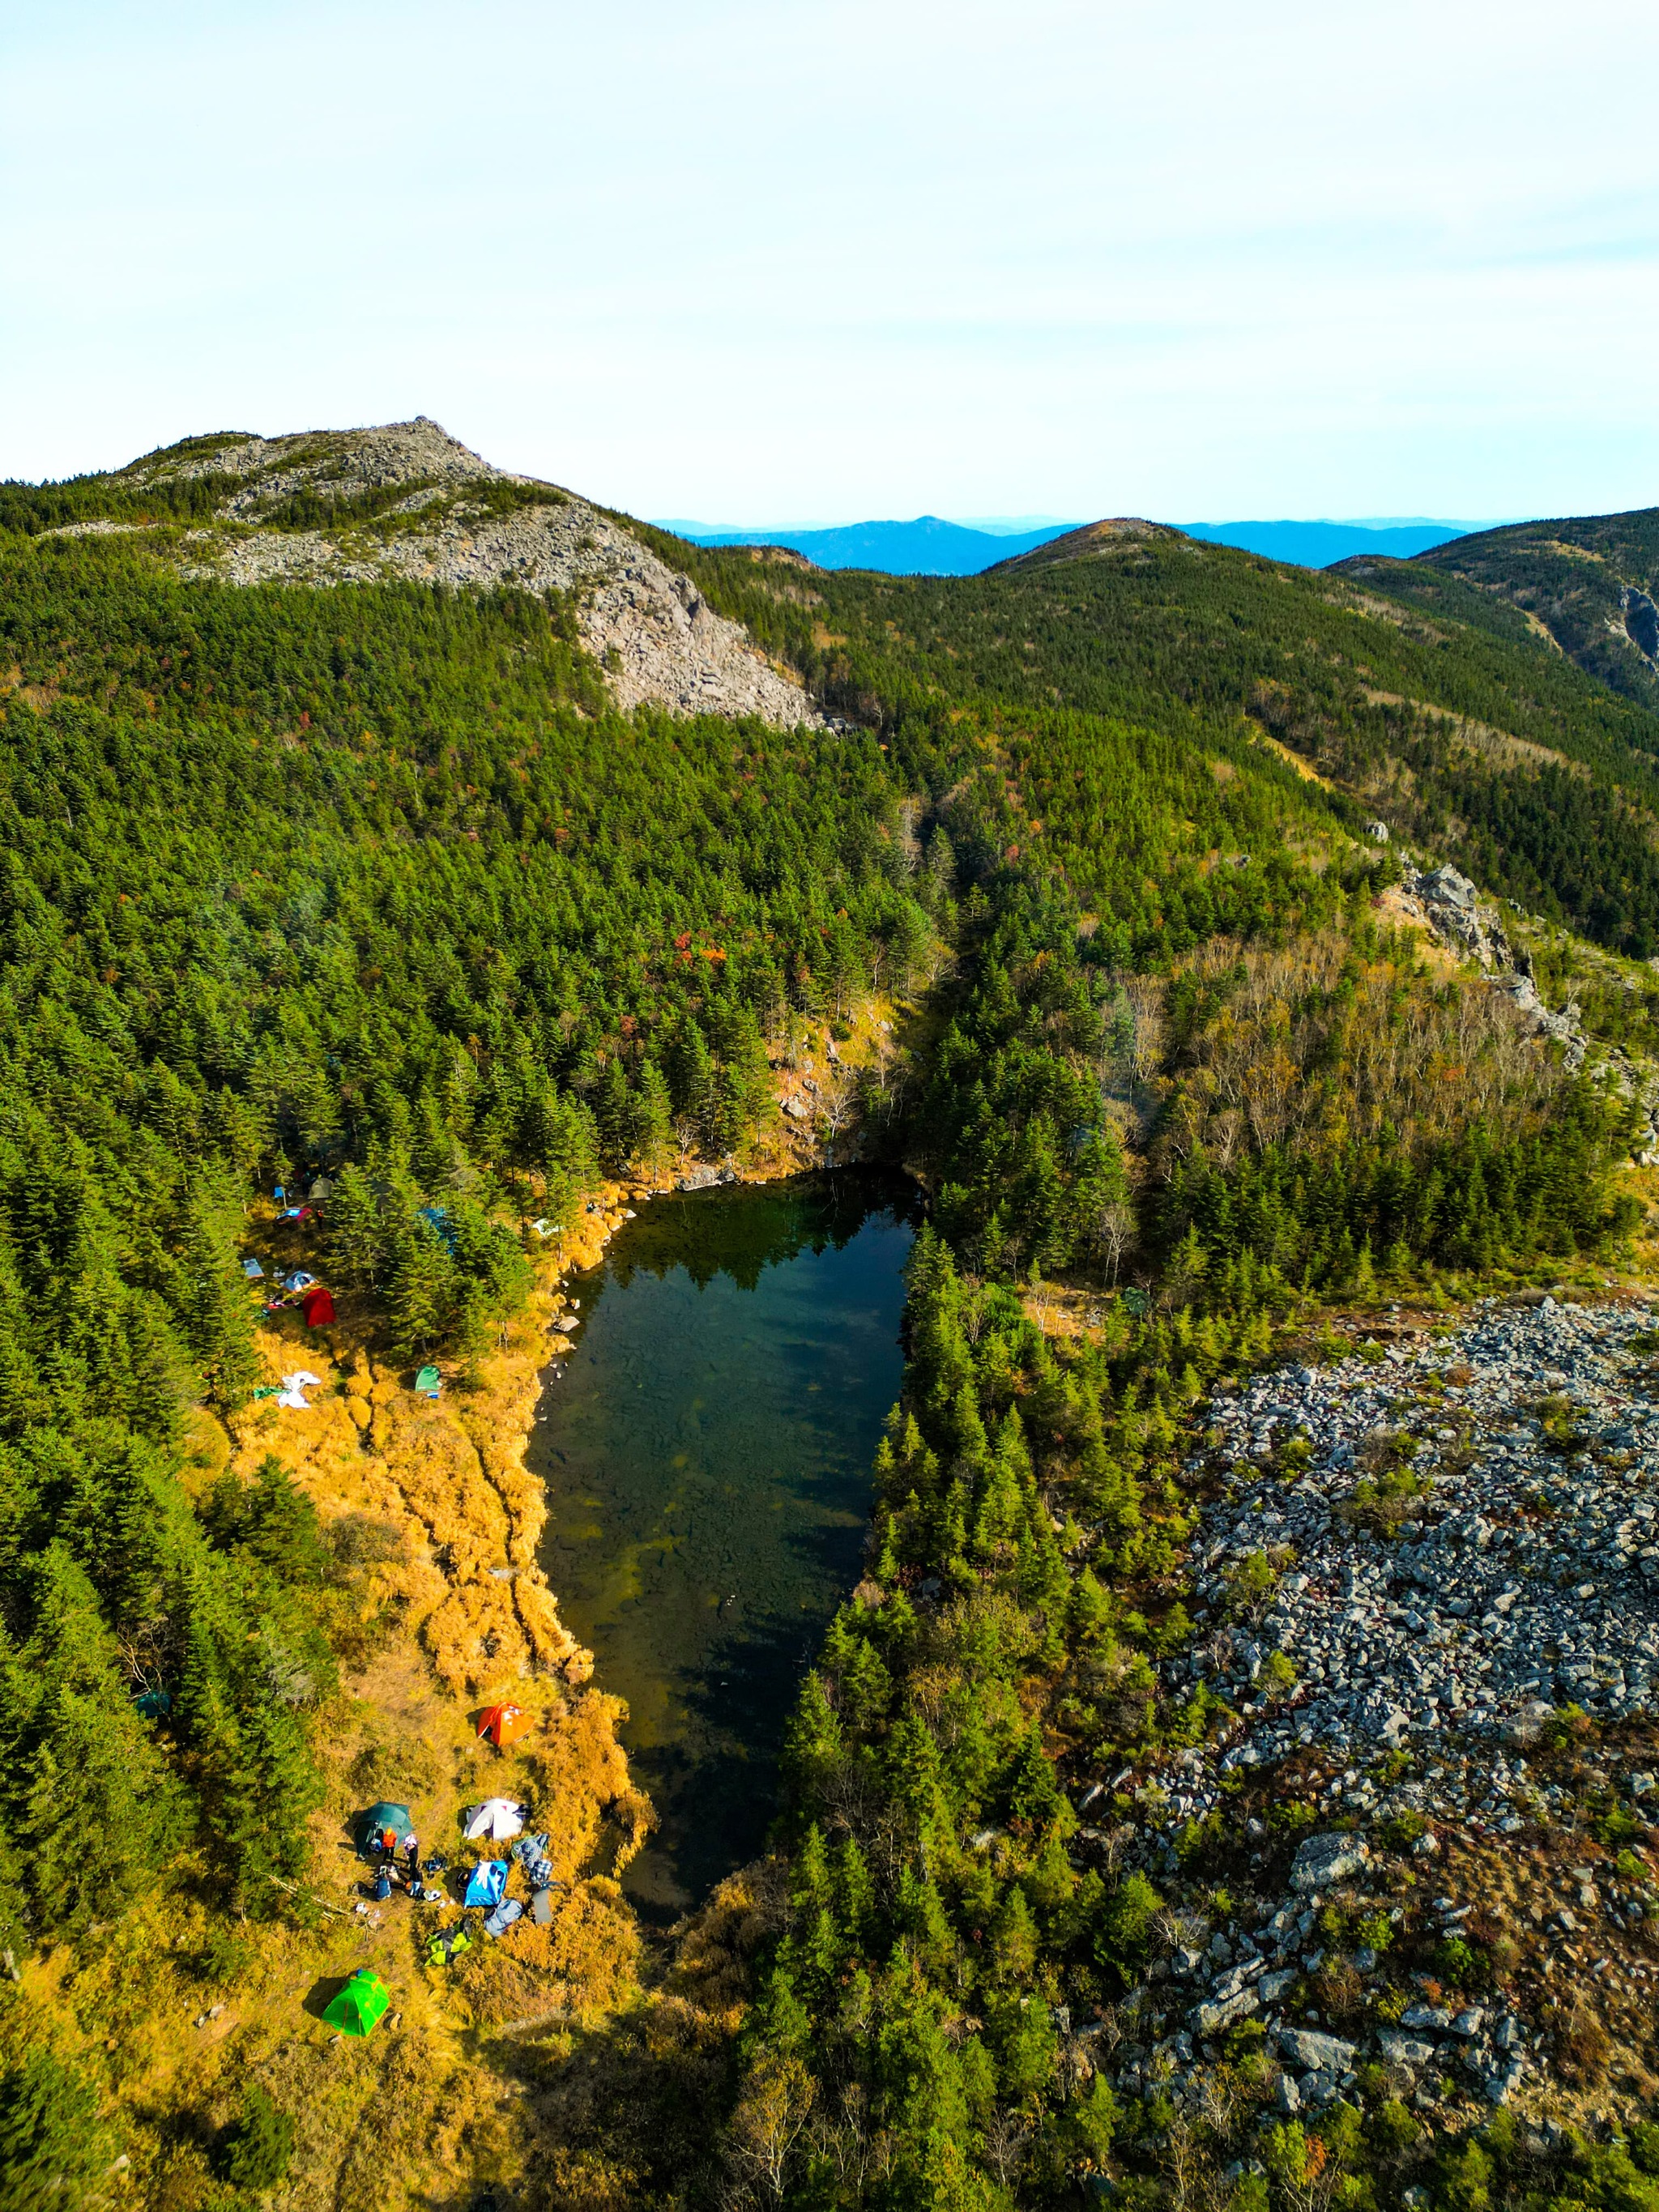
(707, 1456)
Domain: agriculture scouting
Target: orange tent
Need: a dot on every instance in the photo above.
(504, 1724)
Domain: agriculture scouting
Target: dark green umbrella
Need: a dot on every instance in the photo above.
(372, 1827)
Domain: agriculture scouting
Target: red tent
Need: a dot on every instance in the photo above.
(318, 1307)
(504, 1724)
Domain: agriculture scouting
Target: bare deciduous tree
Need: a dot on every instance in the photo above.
(774, 2107)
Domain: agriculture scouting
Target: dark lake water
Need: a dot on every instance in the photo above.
(707, 1452)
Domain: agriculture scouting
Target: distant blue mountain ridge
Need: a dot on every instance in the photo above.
(925, 547)
(1316, 544)
(929, 546)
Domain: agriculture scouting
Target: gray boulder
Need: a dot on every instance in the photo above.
(1323, 1861)
(1320, 2054)
(1210, 2019)
(1403, 2050)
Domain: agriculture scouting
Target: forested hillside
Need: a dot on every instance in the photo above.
(1444, 714)
(373, 882)
(372, 879)
(1584, 582)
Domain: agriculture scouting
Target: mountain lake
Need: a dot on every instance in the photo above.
(707, 1451)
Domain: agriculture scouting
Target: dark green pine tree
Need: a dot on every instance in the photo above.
(618, 1126)
(653, 1120)
(216, 1314)
(420, 1293)
(356, 1245)
(55, 2149)
(691, 1079)
(87, 1798)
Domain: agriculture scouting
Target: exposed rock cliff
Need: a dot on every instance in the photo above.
(1448, 902)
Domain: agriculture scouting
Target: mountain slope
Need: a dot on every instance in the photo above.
(1586, 583)
(406, 500)
(1445, 716)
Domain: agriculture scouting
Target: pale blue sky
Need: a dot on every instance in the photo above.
(846, 257)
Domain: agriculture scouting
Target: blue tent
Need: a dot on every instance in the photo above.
(486, 1883)
(436, 1218)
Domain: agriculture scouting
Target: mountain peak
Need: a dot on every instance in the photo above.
(406, 500)
(323, 461)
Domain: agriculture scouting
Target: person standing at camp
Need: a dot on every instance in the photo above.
(412, 1861)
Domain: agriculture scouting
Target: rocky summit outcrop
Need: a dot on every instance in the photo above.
(405, 500)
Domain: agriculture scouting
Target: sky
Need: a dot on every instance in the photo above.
(822, 259)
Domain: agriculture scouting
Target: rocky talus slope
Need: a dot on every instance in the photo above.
(1427, 1587)
(461, 522)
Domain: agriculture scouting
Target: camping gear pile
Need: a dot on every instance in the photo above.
(299, 1287)
(385, 1828)
(315, 1300)
(530, 1853)
(447, 1945)
(286, 1211)
(498, 1819)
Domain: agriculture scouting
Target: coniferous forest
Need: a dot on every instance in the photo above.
(375, 882)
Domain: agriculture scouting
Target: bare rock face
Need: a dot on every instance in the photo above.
(1451, 905)
(406, 500)
(1453, 911)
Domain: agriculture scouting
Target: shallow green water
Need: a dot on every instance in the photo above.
(707, 1455)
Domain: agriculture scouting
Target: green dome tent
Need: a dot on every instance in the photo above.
(375, 1823)
(359, 2004)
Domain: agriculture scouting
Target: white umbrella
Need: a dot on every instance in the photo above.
(496, 1817)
